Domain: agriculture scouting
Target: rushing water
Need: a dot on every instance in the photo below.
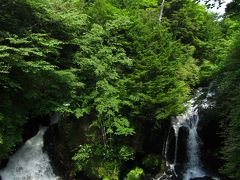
(194, 167)
(189, 120)
(30, 162)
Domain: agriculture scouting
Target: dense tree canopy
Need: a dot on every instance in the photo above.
(111, 62)
(227, 94)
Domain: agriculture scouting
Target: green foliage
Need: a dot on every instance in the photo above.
(111, 62)
(161, 78)
(101, 11)
(82, 156)
(101, 162)
(135, 174)
(190, 23)
(108, 171)
(208, 70)
(227, 92)
(152, 162)
(139, 4)
(232, 9)
(126, 153)
(29, 74)
(102, 63)
(228, 106)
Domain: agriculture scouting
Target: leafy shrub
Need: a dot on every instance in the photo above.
(135, 174)
(152, 162)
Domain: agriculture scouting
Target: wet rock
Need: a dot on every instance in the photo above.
(164, 176)
(59, 160)
(3, 163)
(171, 146)
(210, 133)
(60, 140)
(182, 148)
(31, 128)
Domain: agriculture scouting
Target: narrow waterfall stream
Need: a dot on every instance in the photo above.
(30, 162)
(188, 120)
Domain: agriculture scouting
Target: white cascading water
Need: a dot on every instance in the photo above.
(30, 162)
(193, 168)
(176, 131)
(189, 120)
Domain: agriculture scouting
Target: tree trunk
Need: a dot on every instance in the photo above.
(103, 134)
(161, 11)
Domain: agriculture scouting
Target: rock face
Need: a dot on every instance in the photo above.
(3, 163)
(55, 154)
(210, 134)
(181, 158)
(60, 140)
(31, 128)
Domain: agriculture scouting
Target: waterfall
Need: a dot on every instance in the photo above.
(30, 162)
(176, 131)
(193, 168)
(184, 127)
(189, 120)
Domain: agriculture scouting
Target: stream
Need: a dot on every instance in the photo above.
(30, 162)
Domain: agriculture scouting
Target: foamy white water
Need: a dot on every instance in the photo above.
(189, 120)
(30, 162)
